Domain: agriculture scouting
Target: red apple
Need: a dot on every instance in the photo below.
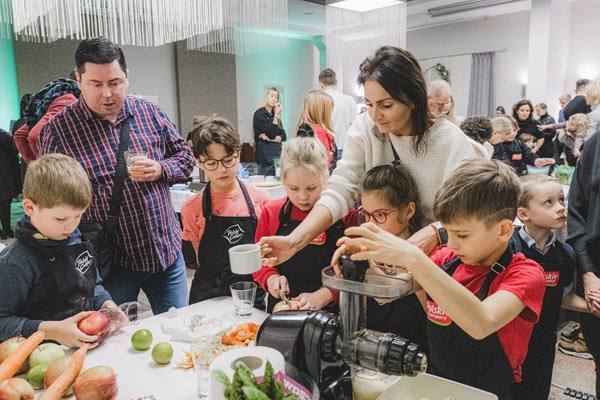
(282, 306)
(98, 383)
(16, 389)
(96, 323)
(10, 345)
(55, 370)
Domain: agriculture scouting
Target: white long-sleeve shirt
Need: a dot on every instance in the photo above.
(446, 146)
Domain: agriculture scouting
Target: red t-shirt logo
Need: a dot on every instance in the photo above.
(517, 156)
(319, 240)
(436, 315)
(552, 278)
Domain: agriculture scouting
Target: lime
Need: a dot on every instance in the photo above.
(35, 377)
(162, 353)
(142, 339)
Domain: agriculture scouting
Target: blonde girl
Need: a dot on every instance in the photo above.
(575, 134)
(315, 120)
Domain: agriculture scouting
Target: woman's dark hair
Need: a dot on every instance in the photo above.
(477, 128)
(399, 73)
(398, 187)
(98, 50)
(518, 105)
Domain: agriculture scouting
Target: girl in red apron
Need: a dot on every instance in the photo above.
(304, 172)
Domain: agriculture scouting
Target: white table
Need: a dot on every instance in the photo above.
(178, 197)
(138, 375)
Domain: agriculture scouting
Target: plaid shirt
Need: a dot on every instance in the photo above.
(148, 234)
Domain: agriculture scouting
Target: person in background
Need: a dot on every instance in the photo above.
(397, 126)
(315, 120)
(224, 214)
(500, 111)
(9, 181)
(49, 270)
(578, 105)
(439, 98)
(147, 241)
(547, 147)
(512, 150)
(523, 115)
(574, 136)
(304, 173)
(528, 139)
(268, 131)
(592, 99)
(558, 146)
(344, 107)
(479, 130)
(563, 100)
(482, 299)
(542, 209)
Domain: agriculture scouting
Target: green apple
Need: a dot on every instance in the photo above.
(45, 353)
(10, 345)
(142, 339)
(162, 353)
(36, 376)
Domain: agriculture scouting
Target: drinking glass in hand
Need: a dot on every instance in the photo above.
(131, 157)
(243, 294)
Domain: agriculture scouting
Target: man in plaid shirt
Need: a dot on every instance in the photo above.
(148, 237)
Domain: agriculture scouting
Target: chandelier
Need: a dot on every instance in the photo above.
(224, 26)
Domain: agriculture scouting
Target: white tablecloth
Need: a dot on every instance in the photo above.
(138, 375)
(178, 197)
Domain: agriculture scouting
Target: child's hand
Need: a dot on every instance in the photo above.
(541, 162)
(67, 333)
(277, 284)
(340, 251)
(576, 153)
(315, 300)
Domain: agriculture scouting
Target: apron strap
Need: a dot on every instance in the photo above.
(396, 157)
(495, 270)
(285, 212)
(249, 202)
(35, 245)
(206, 202)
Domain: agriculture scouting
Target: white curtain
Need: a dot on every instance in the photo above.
(482, 91)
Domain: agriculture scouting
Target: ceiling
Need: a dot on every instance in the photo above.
(309, 15)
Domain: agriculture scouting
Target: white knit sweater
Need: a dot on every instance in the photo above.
(446, 146)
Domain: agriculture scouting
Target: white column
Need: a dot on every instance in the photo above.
(549, 29)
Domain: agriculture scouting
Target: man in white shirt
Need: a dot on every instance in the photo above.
(344, 107)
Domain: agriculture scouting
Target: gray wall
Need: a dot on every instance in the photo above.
(206, 85)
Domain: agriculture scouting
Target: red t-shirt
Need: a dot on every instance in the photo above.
(525, 279)
(268, 223)
(328, 141)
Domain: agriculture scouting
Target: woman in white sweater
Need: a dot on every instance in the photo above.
(398, 125)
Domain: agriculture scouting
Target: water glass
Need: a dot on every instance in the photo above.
(243, 294)
(132, 156)
(204, 351)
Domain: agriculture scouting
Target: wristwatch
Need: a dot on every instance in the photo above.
(442, 233)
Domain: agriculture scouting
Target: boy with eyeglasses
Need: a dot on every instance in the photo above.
(224, 214)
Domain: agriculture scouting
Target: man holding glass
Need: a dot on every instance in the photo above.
(148, 236)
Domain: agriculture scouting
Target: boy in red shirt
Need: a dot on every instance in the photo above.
(224, 214)
(482, 299)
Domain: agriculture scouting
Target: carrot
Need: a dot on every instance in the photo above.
(60, 386)
(12, 364)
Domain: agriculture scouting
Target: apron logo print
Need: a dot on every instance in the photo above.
(319, 240)
(84, 262)
(552, 278)
(436, 315)
(234, 234)
(518, 156)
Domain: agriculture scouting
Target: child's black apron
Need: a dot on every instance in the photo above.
(213, 276)
(455, 355)
(303, 270)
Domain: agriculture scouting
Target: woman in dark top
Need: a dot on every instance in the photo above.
(547, 147)
(523, 114)
(268, 132)
(9, 181)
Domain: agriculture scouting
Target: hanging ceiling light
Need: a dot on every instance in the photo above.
(146, 22)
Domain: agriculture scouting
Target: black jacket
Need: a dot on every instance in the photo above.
(576, 106)
(547, 149)
(263, 123)
(583, 220)
(530, 127)
(10, 176)
(516, 154)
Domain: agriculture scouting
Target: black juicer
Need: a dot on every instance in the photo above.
(324, 345)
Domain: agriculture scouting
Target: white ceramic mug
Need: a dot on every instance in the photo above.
(245, 259)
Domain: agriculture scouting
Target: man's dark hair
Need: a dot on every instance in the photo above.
(399, 73)
(327, 77)
(98, 50)
(581, 83)
(477, 128)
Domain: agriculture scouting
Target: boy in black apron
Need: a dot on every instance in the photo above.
(541, 209)
(48, 275)
(304, 171)
(483, 301)
(224, 214)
